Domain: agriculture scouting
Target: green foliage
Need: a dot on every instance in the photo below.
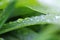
(29, 20)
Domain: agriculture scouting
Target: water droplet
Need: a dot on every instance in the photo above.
(57, 17)
(26, 18)
(42, 17)
(10, 22)
(19, 20)
(31, 19)
(36, 18)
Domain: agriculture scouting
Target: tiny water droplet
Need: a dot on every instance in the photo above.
(57, 17)
(26, 18)
(37, 18)
(19, 20)
(31, 19)
(42, 17)
(10, 22)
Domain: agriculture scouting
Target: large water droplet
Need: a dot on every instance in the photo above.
(57, 17)
(19, 20)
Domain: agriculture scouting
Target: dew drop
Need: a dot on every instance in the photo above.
(37, 18)
(57, 17)
(42, 17)
(19, 20)
(10, 22)
(31, 19)
(26, 18)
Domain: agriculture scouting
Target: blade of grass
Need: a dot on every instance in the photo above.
(6, 13)
(45, 6)
(29, 21)
(41, 6)
(20, 34)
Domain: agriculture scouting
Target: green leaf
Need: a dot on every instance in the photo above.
(20, 34)
(24, 12)
(42, 6)
(6, 13)
(45, 6)
(32, 13)
(47, 33)
(29, 21)
(3, 4)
